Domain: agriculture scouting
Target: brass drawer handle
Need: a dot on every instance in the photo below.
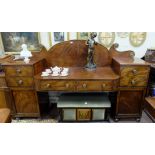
(48, 85)
(18, 71)
(84, 85)
(20, 82)
(134, 71)
(133, 82)
(67, 85)
(103, 85)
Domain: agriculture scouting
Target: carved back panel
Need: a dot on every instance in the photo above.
(74, 53)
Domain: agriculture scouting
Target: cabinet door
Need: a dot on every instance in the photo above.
(129, 103)
(26, 103)
(2, 99)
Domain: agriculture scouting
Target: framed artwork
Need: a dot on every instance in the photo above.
(57, 37)
(137, 38)
(106, 38)
(83, 35)
(12, 41)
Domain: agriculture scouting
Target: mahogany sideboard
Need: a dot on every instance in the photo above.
(119, 73)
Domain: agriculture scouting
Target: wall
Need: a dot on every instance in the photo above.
(47, 40)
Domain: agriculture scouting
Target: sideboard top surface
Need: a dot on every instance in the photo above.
(10, 61)
(80, 73)
(131, 61)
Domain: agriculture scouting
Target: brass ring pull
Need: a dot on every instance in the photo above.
(67, 85)
(20, 82)
(18, 71)
(84, 85)
(103, 85)
(133, 82)
(48, 85)
(134, 71)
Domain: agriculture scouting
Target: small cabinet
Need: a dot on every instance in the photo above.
(129, 104)
(26, 103)
(20, 81)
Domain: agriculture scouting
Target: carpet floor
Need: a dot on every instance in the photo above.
(51, 119)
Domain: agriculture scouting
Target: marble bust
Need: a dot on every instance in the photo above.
(25, 52)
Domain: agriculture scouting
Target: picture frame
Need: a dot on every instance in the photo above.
(137, 39)
(57, 37)
(83, 35)
(12, 41)
(106, 38)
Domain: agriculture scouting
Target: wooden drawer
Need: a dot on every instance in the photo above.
(134, 76)
(18, 70)
(83, 114)
(56, 85)
(94, 85)
(20, 81)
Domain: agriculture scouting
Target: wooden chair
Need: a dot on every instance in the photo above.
(5, 115)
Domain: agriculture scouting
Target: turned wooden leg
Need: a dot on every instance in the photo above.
(60, 115)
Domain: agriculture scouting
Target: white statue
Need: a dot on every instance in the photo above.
(25, 52)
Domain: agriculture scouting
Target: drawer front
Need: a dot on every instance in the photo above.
(20, 81)
(83, 114)
(18, 70)
(98, 114)
(94, 85)
(134, 76)
(69, 114)
(56, 85)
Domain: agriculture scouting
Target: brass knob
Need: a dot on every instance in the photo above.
(48, 85)
(133, 82)
(84, 85)
(103, 85)
(20, 82)
(134, 71)
(18, 71)
(67, 85)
